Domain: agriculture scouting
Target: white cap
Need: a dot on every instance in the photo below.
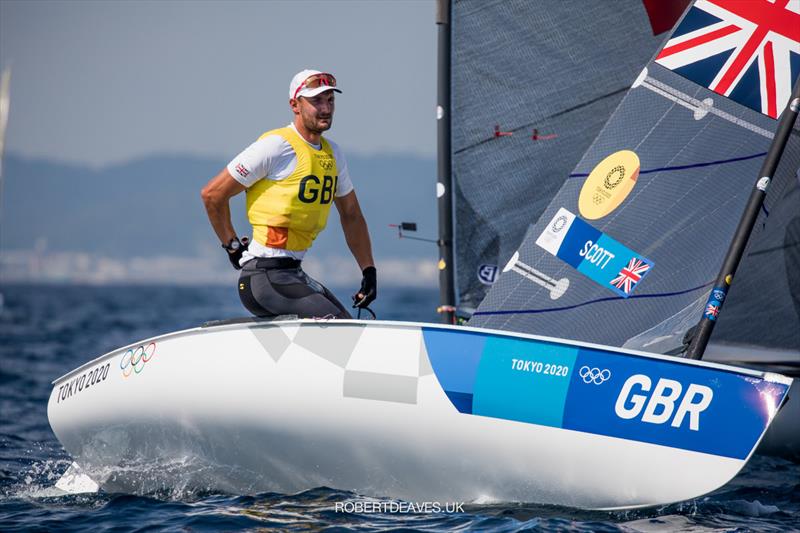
(301, 77)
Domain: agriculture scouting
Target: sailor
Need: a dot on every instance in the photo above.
(292, 175)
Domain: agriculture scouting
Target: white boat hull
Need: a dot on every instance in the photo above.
(288, 406)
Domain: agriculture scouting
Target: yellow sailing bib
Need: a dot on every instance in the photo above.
(291, 212)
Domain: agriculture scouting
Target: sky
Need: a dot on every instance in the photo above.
(103, 82)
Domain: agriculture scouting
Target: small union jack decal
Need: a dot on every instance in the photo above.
(243, 172)
(630, 275)
(712, 311)
(746, 50)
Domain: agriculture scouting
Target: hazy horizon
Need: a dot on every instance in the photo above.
(143, 221)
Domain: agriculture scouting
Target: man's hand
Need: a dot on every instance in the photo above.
(234, 256)
(369, 288)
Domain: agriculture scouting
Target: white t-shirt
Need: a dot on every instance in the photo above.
(273, 158)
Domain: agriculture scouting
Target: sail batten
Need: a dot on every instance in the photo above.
(699, 108)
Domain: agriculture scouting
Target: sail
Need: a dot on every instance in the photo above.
(763, 306)
(5, 83)
(531, 88)
(633, 240)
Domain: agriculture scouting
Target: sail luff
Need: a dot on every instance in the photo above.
(444, 162)
(5, 89)
(745, 228)
(5, 105)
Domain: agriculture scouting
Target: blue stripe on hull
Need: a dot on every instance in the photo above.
(621, 395)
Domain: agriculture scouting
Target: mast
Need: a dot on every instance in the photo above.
(444, 179)
(742, 234)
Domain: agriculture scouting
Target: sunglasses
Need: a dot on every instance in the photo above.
(317, 80)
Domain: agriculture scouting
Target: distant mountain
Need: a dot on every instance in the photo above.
(152, 207)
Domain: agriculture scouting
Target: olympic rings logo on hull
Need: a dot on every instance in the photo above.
(135, 358)
(594, 375)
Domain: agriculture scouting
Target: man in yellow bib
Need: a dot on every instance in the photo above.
(292, 175)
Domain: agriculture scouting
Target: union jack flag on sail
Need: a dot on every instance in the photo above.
(746, 50)
(630, 275)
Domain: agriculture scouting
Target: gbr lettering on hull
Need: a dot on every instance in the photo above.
(659, 406)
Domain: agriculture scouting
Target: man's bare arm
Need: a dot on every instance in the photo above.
(355, 229)
(216, 196)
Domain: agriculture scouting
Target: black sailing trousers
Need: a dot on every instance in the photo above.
(278, 286)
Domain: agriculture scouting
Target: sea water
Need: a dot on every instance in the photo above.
(46, 331)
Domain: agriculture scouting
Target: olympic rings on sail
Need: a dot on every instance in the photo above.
(135, 359)
(594, 375)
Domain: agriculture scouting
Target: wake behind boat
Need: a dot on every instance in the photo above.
(414, 411)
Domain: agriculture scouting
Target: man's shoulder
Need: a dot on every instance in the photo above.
(276, 133)
(273, 142)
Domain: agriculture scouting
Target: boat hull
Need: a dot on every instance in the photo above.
(386, 409)
(782, 439)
